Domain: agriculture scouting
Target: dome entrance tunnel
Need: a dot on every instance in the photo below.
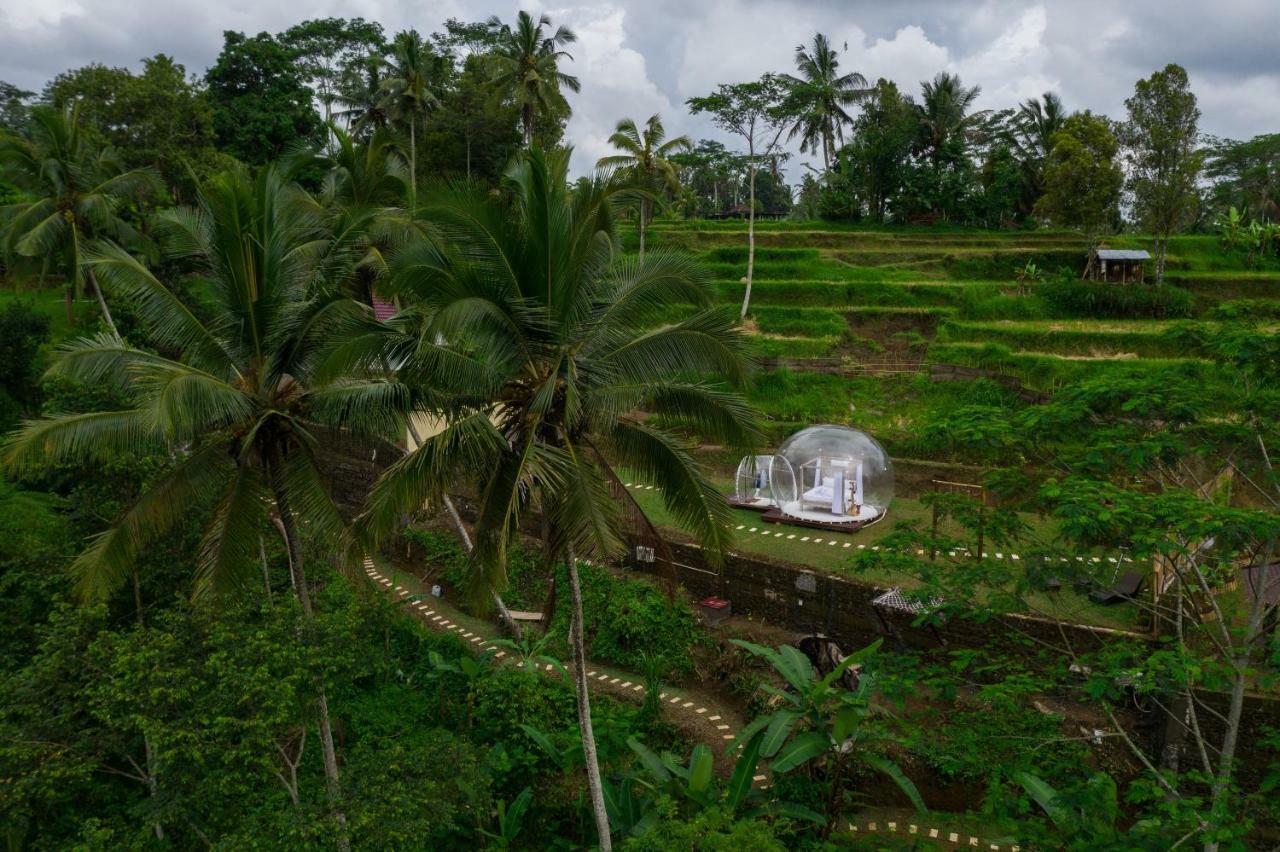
(824, 476)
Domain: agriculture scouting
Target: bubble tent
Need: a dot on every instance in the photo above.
(824, 476)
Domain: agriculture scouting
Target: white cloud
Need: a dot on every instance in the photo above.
(615, 82)
(637, 57)
(1012, 67)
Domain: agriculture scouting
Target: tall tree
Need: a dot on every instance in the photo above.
(645, 162)
(261, 105)
(946, 113)
(362, 97)
(15, 106)
(879, 147)
(1246, 175)
(409, 92)
(526, 66)
(1034, 124)
(1082, 179)
(819, 96)
(159, 118)
(1160, 138)
(239, 404)
(755, 112)
(325, 48)
(75, 192)
(572, 342)
(475, 132)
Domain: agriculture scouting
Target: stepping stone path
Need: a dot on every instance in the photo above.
(770, 532)
(675, 703)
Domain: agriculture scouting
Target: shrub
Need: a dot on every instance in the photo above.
(1104, 300)
(1246, 309)
(627, 619)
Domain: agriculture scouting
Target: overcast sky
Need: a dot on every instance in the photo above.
(638, 57)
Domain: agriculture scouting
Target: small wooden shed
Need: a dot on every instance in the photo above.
(1120, 266)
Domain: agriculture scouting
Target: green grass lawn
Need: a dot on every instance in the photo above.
(786, 544)
(49, 302)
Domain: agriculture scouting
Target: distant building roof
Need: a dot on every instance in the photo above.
(1123, 254)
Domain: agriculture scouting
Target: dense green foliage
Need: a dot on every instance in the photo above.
(261, 106)
(338, 236)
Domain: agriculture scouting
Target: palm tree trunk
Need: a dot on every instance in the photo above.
(468, 545)
(332, 785)
(102, 304)
(148, 750)
(526, 119)
(578, 641)
(751, 230)
(413, 165)
(266, 571)
(503, 612)
(644, 211)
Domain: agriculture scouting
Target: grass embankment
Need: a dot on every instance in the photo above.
(826, 551)
(50, 302)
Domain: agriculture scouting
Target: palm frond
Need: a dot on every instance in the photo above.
(96, 437)
(688, 494)
(166, 317)
(108, 562)
(228, 556)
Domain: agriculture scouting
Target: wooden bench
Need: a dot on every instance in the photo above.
(526, 616)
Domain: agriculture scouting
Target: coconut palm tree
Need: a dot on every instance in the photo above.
(367, 186)
(76, 192)
(570, 336)
(1034, 124)
(237, 401)
(818, 98)
(363, 98)
(644, 161)
(526, 65)
(407, 94)
(945, 112)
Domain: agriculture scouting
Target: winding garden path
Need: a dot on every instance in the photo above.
(704, 719)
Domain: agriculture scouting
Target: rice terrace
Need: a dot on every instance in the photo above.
(756, 425)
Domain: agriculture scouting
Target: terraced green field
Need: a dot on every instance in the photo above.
(868, 297)
(861, 326)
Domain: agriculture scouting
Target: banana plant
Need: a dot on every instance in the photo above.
(508, 820)
(471, 668)
(823, 726)
(693, 787)
(531, 654)
(1088, 817)
(565, 758)
(1232, 230)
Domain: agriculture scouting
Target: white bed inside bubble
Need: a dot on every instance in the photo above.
(830, 475)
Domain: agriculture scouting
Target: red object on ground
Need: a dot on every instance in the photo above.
(715, 603)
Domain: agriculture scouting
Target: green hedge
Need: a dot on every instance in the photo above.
(878, 293)
(1047, 372)
(1148, 344)
(626, 619)
(1247, 310)
(800, 322)
(1104, 300)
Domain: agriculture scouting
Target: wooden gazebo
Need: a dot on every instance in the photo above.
(1120, 266)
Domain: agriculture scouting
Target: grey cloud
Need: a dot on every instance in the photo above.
(676, 48)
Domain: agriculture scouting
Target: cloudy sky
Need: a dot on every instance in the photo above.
(638, 57)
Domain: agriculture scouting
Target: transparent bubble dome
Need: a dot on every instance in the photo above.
(832, 473)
